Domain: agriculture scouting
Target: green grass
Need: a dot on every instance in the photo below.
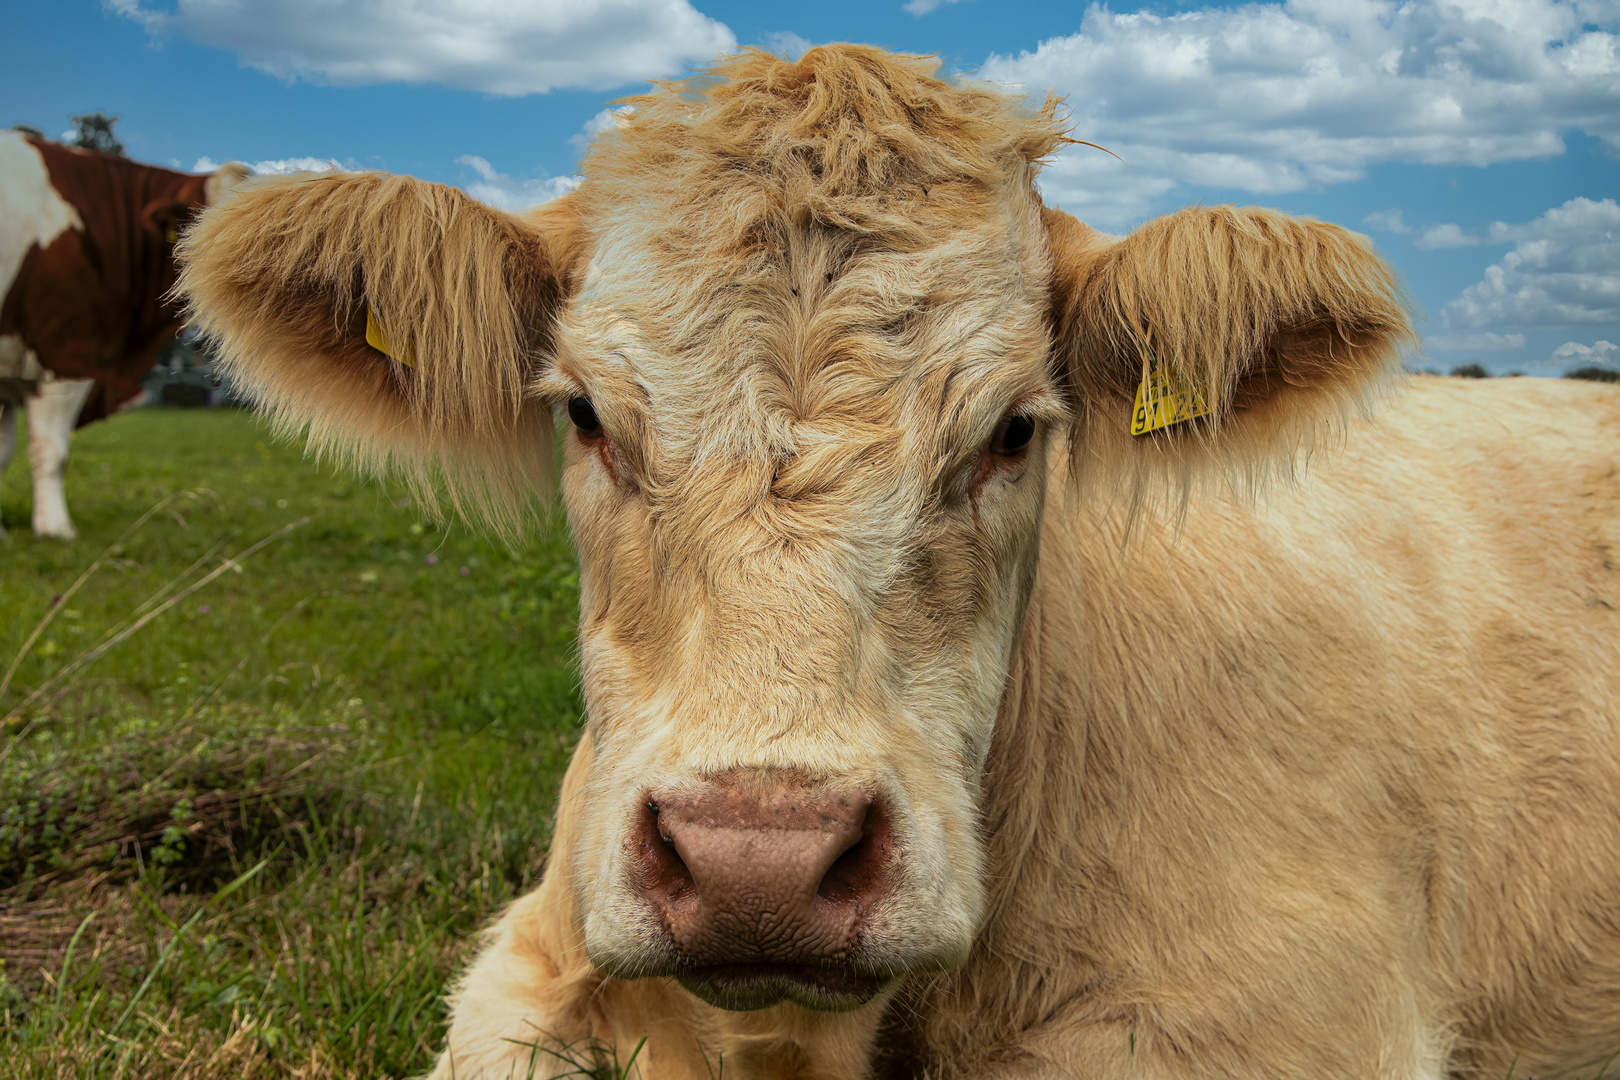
(255, 836)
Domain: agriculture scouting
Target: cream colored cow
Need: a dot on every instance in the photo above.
(939, 725)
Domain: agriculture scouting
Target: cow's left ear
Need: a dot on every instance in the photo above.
(401, 323)
(166, 219)
(1217, 339)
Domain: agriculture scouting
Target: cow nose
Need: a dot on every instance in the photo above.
(762, 873)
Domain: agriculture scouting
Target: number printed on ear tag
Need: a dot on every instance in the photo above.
(1162, 401)
(379, 341)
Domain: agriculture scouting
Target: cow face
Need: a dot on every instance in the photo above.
(806, 479)
(817, 345)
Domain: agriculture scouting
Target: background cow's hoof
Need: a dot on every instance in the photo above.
(55, 531)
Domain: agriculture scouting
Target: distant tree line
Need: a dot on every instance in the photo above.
(91, 131)
(1591, 374)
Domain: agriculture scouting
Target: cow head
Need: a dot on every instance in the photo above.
(819, 350)
(163, 216)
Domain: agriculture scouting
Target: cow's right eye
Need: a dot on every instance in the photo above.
(583, 414)
(1012, 435)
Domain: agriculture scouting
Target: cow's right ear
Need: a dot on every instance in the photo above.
(400, 322)
(224, 181)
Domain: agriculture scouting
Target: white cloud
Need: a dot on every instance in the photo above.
(1444, 236)
(491, 186)
(506, 47)
(923, 7)
(1564, 270)
(510, 193)
(1102, 191)
(1482, 342)
(787, 44)
(1272, 98)
(1389, 221)
(1573, 354)
(600, 122)
(1599, 352)
(277, 165)
(297, 164)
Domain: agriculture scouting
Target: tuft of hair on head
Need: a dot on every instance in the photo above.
(852, 133)
(282, 278)
(1291, 328)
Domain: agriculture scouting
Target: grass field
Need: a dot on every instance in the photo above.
(253, 834)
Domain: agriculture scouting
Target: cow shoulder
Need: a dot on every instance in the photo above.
(32, 211)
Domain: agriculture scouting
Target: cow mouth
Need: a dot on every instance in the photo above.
(745, 987)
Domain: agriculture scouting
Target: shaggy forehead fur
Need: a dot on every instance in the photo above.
(801, 268)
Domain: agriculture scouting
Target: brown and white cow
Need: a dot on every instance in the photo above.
(86, 263)
(939, 725)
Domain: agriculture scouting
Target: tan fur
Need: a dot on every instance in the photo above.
(1326, 788)
(1319, 784)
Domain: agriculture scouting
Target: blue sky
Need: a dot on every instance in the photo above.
(1477, 142)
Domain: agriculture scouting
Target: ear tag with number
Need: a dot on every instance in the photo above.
(1162, 401)
(379, 341)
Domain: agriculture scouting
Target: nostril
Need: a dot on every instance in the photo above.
(660, 867)
(857, 875)
(663, 833)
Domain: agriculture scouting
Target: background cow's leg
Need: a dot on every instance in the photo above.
(8, 440)
(52, 414)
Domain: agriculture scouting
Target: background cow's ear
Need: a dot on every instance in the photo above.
(1275, 329)
(166, 219)
(401, 322)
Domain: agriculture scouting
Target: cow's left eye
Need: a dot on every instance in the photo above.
(583, 414)
(1012, 435)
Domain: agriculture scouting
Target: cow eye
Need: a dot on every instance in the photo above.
(1012, 435)
(583, 414)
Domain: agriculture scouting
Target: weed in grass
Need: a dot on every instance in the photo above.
(589, 1061)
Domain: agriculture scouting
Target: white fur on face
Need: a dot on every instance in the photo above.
(795, 553)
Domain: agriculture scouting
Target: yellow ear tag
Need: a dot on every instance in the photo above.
(379, 341)
(171, 233)
(1162, 401)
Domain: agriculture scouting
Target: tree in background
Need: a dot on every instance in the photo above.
(1471, 371)
(1595, 374)
(95, 132)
